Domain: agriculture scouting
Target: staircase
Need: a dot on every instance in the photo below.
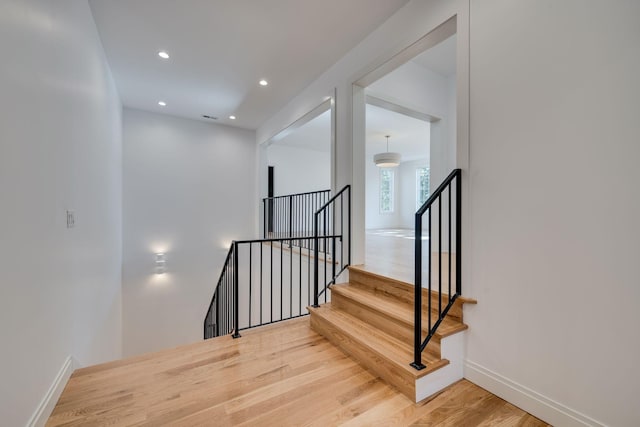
(412, 336)
(371, 319)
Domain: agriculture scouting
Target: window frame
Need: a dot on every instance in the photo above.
(418, 169)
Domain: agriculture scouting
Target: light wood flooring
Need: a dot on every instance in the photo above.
(279, 375)
(391, 253)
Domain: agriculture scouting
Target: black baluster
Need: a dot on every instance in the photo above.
(440, 255)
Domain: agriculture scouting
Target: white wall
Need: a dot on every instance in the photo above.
(189, 190)
(299, 170)
(551, 200)
(555, 201)
(60, 148)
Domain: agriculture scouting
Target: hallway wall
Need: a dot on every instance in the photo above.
(189, 190)
(60, 149)
(555, 205)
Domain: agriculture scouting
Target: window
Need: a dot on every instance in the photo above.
(386, 190)
(422, 186)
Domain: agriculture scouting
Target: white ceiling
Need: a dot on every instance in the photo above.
(408, 136)
(220, 49)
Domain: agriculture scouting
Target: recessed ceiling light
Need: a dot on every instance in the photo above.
(162, 103)
(164, 55)
(232, 117)
(263, 82)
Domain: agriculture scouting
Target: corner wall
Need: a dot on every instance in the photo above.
(60, 149)
(555, 207)
(189, 190)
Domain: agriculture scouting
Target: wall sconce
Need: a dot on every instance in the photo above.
(160, 263)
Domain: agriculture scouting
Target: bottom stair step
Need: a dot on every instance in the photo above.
(379, 352)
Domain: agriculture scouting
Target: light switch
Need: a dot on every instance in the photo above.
(71, 219)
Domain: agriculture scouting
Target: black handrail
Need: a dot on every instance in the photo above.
(291, 215)
(446, 186)
(297, 194)
(328, 221)
(281, 239)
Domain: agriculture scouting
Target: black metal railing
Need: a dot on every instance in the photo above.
(220, 318)
(291, 215)
(264, 281)
(437, 311)
(332, 219)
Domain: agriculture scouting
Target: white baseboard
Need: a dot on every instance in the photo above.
(44, 409)
(536, 404)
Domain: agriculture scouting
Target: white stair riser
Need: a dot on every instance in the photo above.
(452, 348)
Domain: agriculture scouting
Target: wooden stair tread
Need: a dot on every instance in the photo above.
(360, 269)
(371, 318)
(396, 308)
(388, 347)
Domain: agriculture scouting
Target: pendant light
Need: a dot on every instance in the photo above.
(387, 160)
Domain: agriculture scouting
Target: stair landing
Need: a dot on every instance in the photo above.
(371, 319)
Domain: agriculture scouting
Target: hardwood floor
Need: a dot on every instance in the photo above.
(279, 375)
(390, 253)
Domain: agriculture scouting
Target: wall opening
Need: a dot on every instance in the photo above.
(412, 98)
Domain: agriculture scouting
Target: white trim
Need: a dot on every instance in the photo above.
(531, 401)
(323, 107)
(48, 402)
(384, 101)
(436, 35)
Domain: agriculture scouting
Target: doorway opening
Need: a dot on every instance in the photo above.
(414, 103)
(297, 162)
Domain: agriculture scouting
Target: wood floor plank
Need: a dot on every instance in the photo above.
(353, 404)
(312, 399)
(280, 375)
